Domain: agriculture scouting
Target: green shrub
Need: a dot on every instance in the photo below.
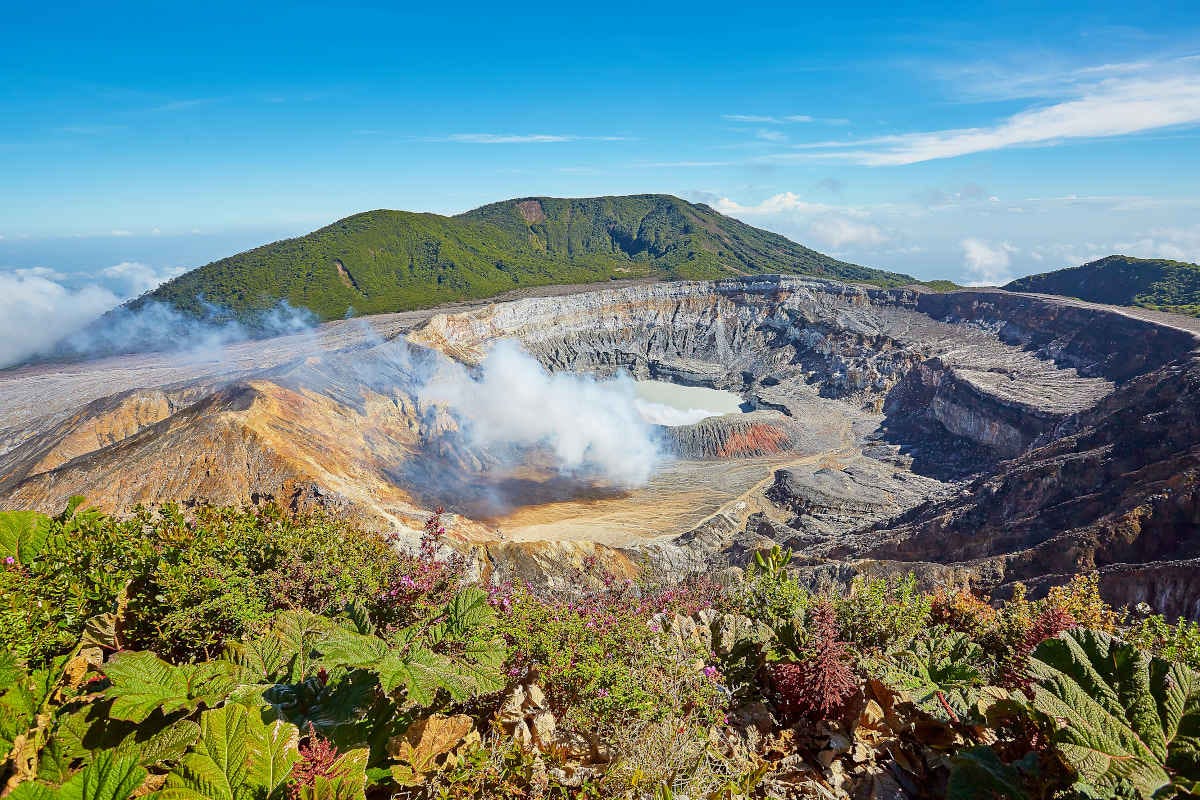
(280, 656)
(1174, 641)
(882, 613)
(601, 659)
(193, 582)
(769, 593)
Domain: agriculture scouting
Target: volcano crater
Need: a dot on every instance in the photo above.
(972, 435)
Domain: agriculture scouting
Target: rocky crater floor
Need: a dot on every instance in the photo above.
(972, 436)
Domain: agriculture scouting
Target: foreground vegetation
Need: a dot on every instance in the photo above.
(248, 654)
(381, 261)
(1154, 283)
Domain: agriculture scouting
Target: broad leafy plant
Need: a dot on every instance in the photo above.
(941, 674)
(1125, 722)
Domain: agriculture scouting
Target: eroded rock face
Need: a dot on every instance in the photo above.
(759, 433)
(1115, 485)
(978, 435)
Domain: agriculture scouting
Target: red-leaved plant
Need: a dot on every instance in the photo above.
(1052, 621)
(819, 686)
(318, 759)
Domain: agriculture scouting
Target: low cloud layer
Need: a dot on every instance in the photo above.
(45, 313)
(987, 264)
(37, 310)
(973, 234)
(158, 326)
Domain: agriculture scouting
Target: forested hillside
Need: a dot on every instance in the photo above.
(397, 260)
(1124, 281)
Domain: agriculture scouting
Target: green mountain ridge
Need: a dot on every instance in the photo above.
(1154, 283)
(379, 261)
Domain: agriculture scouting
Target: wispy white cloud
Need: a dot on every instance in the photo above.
(1132, 102)
(775, 204)
(181, 105)
(820, 224)
(759, 119)
(526, 138)
(839, 231)
(120, 232)
(767, 119)
(684, 164)
(91, 130)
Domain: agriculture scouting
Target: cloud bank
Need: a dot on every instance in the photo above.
(45, 313)
(37, 310)
(158, 327)
(924, 234)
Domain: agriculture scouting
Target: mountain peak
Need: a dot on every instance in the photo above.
(384, 260)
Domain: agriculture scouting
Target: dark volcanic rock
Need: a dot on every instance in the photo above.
(1119, 484)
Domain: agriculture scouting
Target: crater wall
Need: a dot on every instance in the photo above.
(975, 435)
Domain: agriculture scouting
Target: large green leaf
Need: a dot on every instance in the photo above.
(218, 765)
(977, 773)
(23, 534)
(157, 741)
(142, 683)
(273, 751)
(939, 671)
(31, 790)
(1123, 720)
(238, 757)
(284, 654)
(108, 777)
(468, 613)
(418, 670)
(347, 648)
(474, 671)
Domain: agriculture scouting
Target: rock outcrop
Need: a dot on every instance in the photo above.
(759, 433)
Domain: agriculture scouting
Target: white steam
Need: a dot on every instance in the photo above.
(156, 326)
(593, 427)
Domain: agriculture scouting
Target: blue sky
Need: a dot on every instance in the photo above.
(979, 143)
